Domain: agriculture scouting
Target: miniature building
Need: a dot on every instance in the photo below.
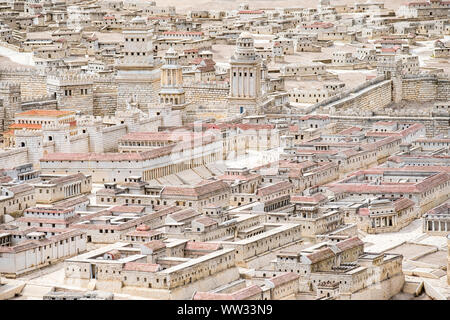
(245, 77)
(437, 220)
(238, 153)
(171, 80)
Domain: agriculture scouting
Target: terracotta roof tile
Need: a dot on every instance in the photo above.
(141, 267)
(202, 246)
(155, 245)
(349, 243)
(320, 255)
(284, 278)
(45, 113)
(273, 188)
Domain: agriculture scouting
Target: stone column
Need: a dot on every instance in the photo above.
(249, 93)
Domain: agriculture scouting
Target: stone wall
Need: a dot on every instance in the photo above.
(378, 93)
(427, 88)
(140, 86)
(433, 125)
(345, 94)
(142, 92)
(72, 92)
(47, 102)
(373, 97)
(206, 94)
(105, 96)
(32, 82)
(80, 142)
(10, 94)
(383, 290)
(111, 136)
(15, 157)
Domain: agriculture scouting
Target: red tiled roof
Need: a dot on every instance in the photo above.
(349, 131)
(184, 214)
(315, 117)
(25, 126)
(184, 32)
(27, 245)
(147, 234)
(402, 204)
(128, 209)
(21, 188)
(206, 221)
(393, 49)
(45, 113)
(325, 25)
(349, 243)
(142, 227)
(419, 187)
(202, 246)
(242, 294)
(155, 245)
(202, 189)
(142, 267)
(284, 278)
(320, 255)
(251, 12)
(127, 156)
(160, 136)
(276, 187)
(211, 296)
(190, 51)
(247, 177)
(363, 212)
(316, 198)
(246, 293)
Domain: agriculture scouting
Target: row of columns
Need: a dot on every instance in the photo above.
(172, 77)
(383, 222)
(171, 100)
(277, 205)
(243, 87)
(175, 168)
(438, 226)
(72, 190)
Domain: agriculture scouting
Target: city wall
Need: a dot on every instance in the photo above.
(80, 142)
(426, 88)
(383, 290)
(105, 96)
(348, 97)
(433, 125)
(209, 94)
(12, 158)
(32, 82)
(39, 102)
(372, 97)
(111, 136)
(140, 88)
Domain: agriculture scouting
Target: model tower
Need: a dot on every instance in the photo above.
(245, 77)
(172, 91)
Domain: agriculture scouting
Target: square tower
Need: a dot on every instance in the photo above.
(138, 75)
(10, 94)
